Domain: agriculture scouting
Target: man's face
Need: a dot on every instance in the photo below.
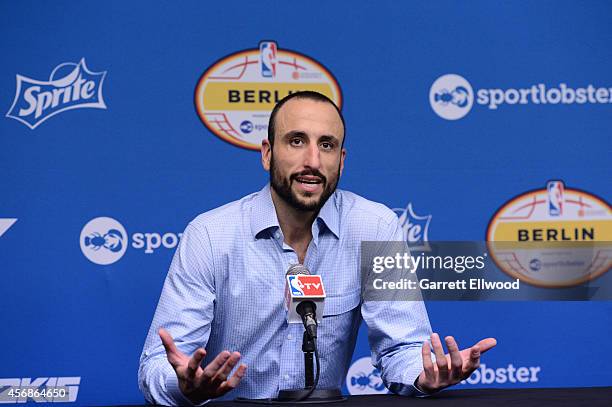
(307, 159)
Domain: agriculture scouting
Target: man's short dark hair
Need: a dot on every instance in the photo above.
(305, 94)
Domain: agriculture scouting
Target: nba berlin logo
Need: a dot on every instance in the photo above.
(571, 229)
(235, 95)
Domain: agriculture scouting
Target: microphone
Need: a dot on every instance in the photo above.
(308, 312)
(303, 292)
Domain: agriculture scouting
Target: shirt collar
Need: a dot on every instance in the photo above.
(264, 217)
(330, 214)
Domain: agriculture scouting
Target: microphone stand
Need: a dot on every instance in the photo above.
(310, 394)
(308, 347)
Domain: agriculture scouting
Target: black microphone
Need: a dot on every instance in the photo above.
(308, 312)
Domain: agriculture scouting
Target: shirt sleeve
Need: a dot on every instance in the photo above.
(396, 332)
(185, 310)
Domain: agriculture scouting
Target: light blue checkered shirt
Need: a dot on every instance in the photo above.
(225, 291)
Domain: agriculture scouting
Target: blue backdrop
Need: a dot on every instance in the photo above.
(435, 118)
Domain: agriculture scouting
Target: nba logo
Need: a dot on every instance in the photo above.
(555, 198)
(295, 286)
(267, 56)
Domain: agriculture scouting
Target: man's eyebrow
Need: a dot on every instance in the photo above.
(301, 133)
(329, 137)
(294, 133)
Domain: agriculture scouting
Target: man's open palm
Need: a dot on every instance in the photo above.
(451, 368)
(199, 384)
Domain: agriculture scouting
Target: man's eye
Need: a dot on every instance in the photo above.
(297, 142)
(327, 145)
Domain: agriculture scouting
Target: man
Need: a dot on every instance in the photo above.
(224, 290)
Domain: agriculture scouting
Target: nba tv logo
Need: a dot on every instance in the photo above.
(305, 285)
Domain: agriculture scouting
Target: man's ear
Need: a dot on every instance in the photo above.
(266, 154)
(342, 157)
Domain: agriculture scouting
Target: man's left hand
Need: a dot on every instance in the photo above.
(451, 368)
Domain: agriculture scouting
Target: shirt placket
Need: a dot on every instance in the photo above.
(286, 379)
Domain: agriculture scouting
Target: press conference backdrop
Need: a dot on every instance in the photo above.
(122, 121)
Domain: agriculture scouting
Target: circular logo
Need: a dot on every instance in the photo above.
(363, 378)
(246, 127)
(451, 97)
(535, 265)
(552, 237)
(243, 88)
(103, 240)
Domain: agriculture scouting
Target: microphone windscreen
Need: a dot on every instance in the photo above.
(296, 269)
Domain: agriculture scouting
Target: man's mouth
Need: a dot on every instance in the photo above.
(309, 179)
(309, 183)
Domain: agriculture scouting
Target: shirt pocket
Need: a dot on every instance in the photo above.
(340, 304)
(337, 335)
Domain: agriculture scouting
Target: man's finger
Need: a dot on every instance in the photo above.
(473, 361)
(221, 375)
(486, 344)
(211, 369)
(455, 357)
(428, 367)
(174, 356)
(474, 353)
(233, 381)
(194, 362)
(167, 341)
(440, 357)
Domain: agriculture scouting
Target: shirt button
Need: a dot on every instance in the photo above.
(286, 377)
(276, 235)
(290, 337)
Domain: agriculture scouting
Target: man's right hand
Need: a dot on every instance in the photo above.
(199, 384)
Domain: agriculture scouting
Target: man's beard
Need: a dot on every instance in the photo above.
(282, 187)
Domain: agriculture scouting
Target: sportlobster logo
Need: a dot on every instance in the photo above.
(70, 86)
(451, 97)
(363, 378)
(103, 240)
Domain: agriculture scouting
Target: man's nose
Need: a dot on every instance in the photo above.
(313, 157)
